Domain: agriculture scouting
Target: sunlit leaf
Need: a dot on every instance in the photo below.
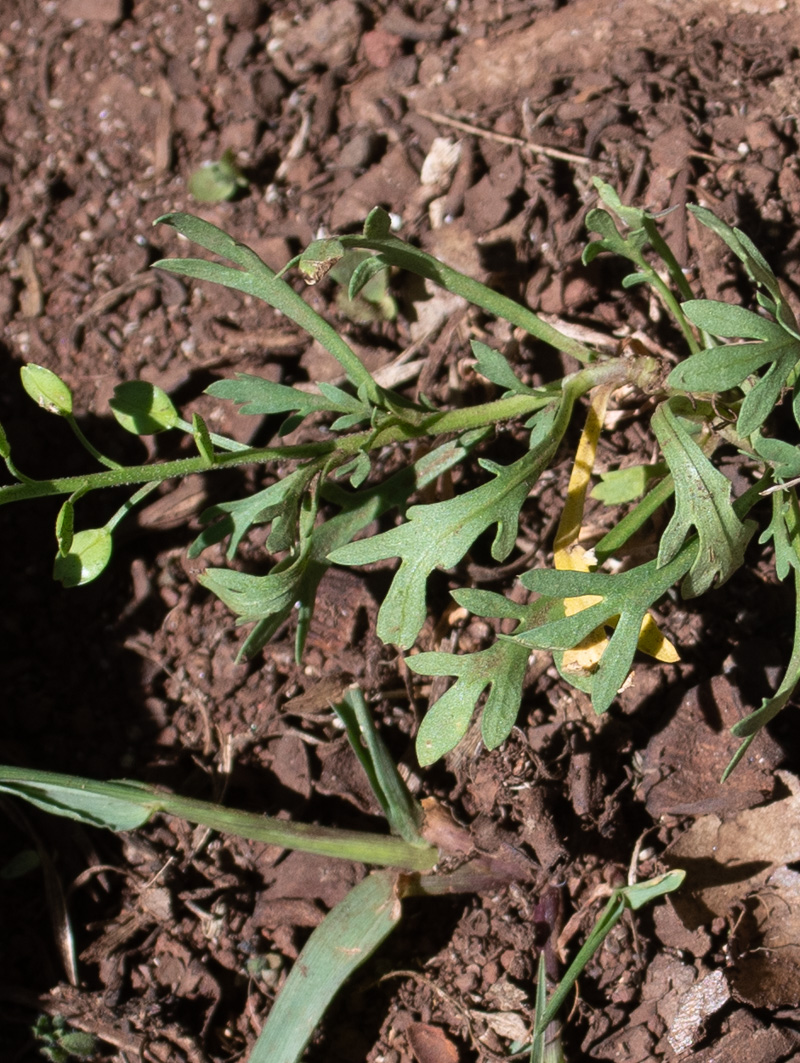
(88, 554)
(702, 501)
(142, 408)
(47, 389)
(626, 595)
(439, 534)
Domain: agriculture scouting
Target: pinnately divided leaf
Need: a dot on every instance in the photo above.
(626, 595)
(278, 503)
(717, 369)
(438, 535)
(703, 501)
(501, 668)
(256, 395)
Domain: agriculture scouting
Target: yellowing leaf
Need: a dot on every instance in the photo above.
(570, 556)
(653, 642)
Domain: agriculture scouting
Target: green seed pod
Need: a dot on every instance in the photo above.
(47, 389)
(142, 408)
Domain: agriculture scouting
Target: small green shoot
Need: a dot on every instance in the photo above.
(626, 898)
(214, 182)
(59, 1043)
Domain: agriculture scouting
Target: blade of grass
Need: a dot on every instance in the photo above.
(344, 940)
(401, 810)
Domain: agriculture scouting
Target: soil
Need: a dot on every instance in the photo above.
(170, 944)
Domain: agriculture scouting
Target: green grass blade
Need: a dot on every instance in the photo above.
(403, 813)
(344, 940)
(632, 897)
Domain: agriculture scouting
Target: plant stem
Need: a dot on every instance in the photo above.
(367, 848)
(398, 253)
(640, 372)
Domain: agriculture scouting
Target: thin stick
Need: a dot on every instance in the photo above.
(502, 138)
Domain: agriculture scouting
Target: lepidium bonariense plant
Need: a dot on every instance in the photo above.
(592, 609)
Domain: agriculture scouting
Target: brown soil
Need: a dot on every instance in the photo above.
(170, 944)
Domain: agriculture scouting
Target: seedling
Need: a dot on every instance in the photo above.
(216, 181)
(59, 1043)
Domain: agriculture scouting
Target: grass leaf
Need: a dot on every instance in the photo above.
(343, 941)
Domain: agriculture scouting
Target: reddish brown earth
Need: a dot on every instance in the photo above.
(149, 941)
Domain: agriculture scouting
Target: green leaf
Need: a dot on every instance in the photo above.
(65, 527)
(783, 530)
(624, 898)
(702, 500)
(495, 367)
(618, 486)
(202, 439)
(270, 600)
(438, 535)
(47, 389)
(356, 470)
(214, 182)
(364, 297)
(718, 369)
(143, 408)
(731, 321)
(403, 813)
(343, 941)
(88, 555)
(319, 258)
(257, 279)
(630, 247)
(258, 396)
(125, 805)
(378, 224)
(754, 262)
(5, 446)
(254, 597)
(79, 1044)
(627, 595)
(278, 503)
(501, 668)
(538, 1045)
(782, 456)
(110, 805)
(364, 268)
(762, 399)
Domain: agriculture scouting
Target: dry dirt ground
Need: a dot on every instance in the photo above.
(171, 944)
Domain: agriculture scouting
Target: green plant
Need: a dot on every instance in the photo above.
(322, 498)
(722, 394)
(59, 1043)
(216, 181)
(351, 931)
